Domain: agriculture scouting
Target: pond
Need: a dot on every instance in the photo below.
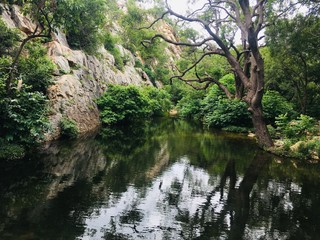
(165, 179)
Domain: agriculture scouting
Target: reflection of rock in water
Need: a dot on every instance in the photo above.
(69, 162)
(161, 160)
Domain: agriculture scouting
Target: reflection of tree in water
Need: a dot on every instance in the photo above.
(228, 222)
(200, 148)
(162, 181)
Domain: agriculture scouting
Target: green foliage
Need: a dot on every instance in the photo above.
(222, 112)
(82, 21)
(228, 81)
(297, 129)
(110, 44)
(236, 129)
(275, 104)
(23, 112)
(272, 131)
(190, 106)
(213, 108)
(122, 104)
(158, 101)
(69, 128)
(292, 65)
(129, 104)
(188, 35)
(176, 91)
(8, 39)
(5, 64)
(155, 61)
(24, 117)
(306, 150)
(11, 151)
(36, 68)
(214, 66)
(282, 121)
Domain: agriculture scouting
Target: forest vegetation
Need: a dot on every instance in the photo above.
(268, 83)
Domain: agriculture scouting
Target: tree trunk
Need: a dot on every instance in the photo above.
(260, 127)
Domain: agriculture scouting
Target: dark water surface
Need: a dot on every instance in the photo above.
(164, 180)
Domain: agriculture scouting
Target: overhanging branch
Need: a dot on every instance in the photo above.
(175, 42)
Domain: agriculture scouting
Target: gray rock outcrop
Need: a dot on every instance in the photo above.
(80, 79)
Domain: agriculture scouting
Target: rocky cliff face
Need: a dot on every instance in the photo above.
(79, 78)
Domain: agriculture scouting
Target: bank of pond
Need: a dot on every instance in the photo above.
(160, 179)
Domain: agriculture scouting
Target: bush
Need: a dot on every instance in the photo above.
(158, 101)
(122, 104)
(307, 149)
(24, 117)
(36, 68)
(10, 151)
(190, 106)
(110, 45)
(298, 128)
(221, 112)
(236, 129)
(274, 104)
(8, 39)
(272, 131)
(68, 128)
(23, 112)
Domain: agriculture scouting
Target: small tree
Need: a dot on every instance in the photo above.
(41, 12)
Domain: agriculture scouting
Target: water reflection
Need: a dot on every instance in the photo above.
(160, 180)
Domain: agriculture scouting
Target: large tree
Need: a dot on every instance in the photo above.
(222, 21)
(295, 65)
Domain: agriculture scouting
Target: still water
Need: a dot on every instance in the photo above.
(165, 179)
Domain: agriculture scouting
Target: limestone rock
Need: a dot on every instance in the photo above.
(80, 79)
(22, 22)
(6, 16)
(295, 147)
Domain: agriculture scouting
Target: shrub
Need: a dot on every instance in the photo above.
(110, 45)
(69, 128)
(130, 103)
(24, 117)
(221, 112)
(158, 101)
(274, 104)
(8, 39)
(9, 151)
(36, 68)
(190, 105)
(176, 90)
(272, 131)
(317, 147)
(307, 149)
(298, 128)
(122, 104)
